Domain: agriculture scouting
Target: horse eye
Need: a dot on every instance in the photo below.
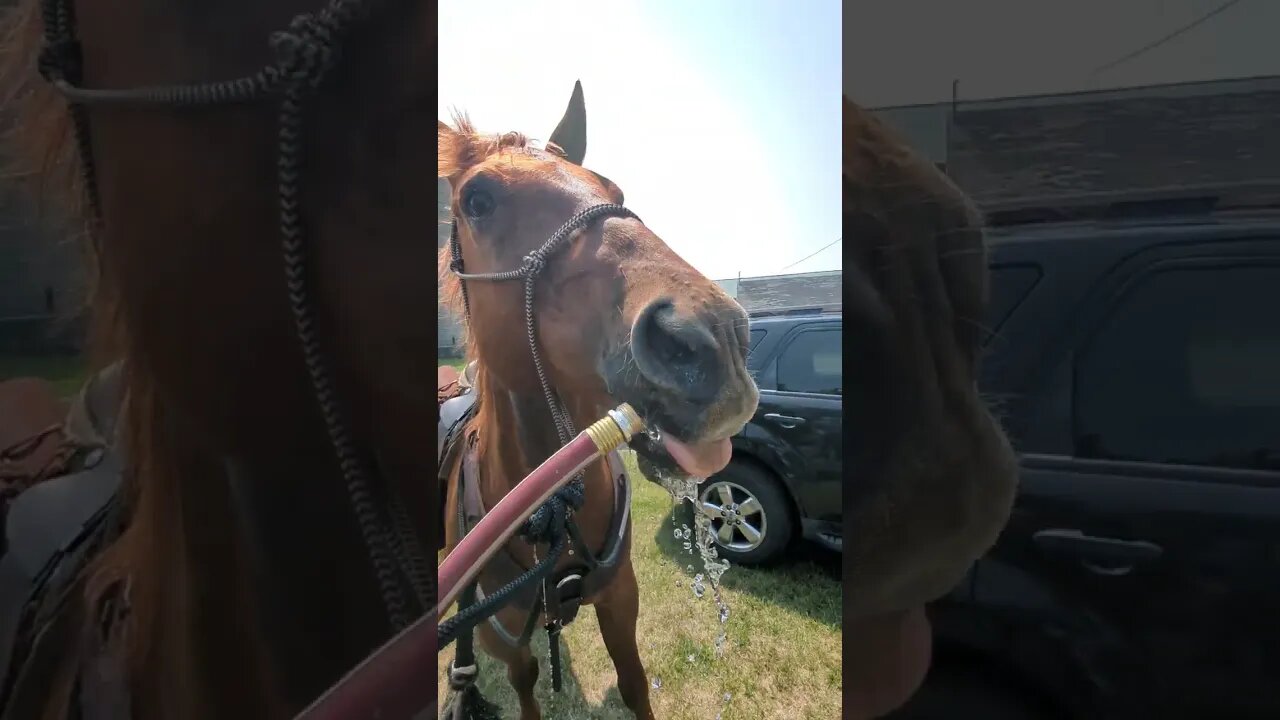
(477, 203)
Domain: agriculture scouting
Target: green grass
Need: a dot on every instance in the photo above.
(66, 372)
(782, 659)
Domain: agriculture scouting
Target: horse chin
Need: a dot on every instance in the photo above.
(657, 462)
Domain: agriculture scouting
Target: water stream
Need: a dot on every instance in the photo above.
(701, 538)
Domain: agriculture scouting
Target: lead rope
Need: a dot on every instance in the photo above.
(306, 51)
(559, 507)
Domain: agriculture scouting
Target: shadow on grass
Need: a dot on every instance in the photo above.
(568, 704)
(805, 581)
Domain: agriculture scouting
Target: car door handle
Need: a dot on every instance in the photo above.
(786, 421)
(1101, 555)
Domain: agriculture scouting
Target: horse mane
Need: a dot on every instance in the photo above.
(38, 133)
(462, 149)
(40, 156)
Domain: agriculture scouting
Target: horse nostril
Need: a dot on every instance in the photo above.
(676, 352)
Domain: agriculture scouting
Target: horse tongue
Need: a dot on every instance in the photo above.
(700, 460)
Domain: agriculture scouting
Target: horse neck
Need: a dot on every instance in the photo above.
(308, 566)
(263, 539)
(516, 433)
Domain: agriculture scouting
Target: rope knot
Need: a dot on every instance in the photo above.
(60, 60)
(305, 49)
(548, 521)
(533, 263)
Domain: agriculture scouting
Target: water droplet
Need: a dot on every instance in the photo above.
(690, 658)
(727, 697)
(679, 582)
(656, 684)
(701, 535)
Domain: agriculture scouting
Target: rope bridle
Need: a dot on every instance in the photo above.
(528, 271)
(305, 52)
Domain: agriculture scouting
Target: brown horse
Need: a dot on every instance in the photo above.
(620, 318)
(245, 571)
(932, 475)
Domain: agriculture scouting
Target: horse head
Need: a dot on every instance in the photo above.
(620, 317)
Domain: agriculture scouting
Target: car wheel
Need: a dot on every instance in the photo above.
(750, 515)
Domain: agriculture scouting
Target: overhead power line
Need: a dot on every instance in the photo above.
(1176, 33)
(806, 257)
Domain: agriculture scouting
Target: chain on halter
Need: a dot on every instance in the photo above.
(305, 53)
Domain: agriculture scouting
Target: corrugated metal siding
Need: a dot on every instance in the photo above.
(779, 292)
(1130, 140)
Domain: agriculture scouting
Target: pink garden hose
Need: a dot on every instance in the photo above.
(390, 683)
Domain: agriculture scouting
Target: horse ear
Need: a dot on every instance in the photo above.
(571, 134)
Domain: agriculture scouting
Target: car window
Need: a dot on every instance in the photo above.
(756, 336)
(811, 363)
(1010, 284)
(1185, 370)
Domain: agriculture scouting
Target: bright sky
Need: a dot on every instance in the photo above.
(720, 120)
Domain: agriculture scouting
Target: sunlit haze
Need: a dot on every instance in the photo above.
(719, 120)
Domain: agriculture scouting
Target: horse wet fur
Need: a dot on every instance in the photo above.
(249, 587)
(619, 318)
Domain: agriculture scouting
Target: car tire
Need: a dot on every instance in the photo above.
(745, 480)
(955, 693)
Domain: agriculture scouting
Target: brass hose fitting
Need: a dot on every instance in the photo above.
(615, 429)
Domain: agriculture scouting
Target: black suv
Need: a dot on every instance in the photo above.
(784, 479)
(1136, 365)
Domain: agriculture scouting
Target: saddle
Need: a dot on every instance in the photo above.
(60, 508)
(33, 444)
(455, 404)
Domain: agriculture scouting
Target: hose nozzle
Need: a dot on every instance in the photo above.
(615, 429)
